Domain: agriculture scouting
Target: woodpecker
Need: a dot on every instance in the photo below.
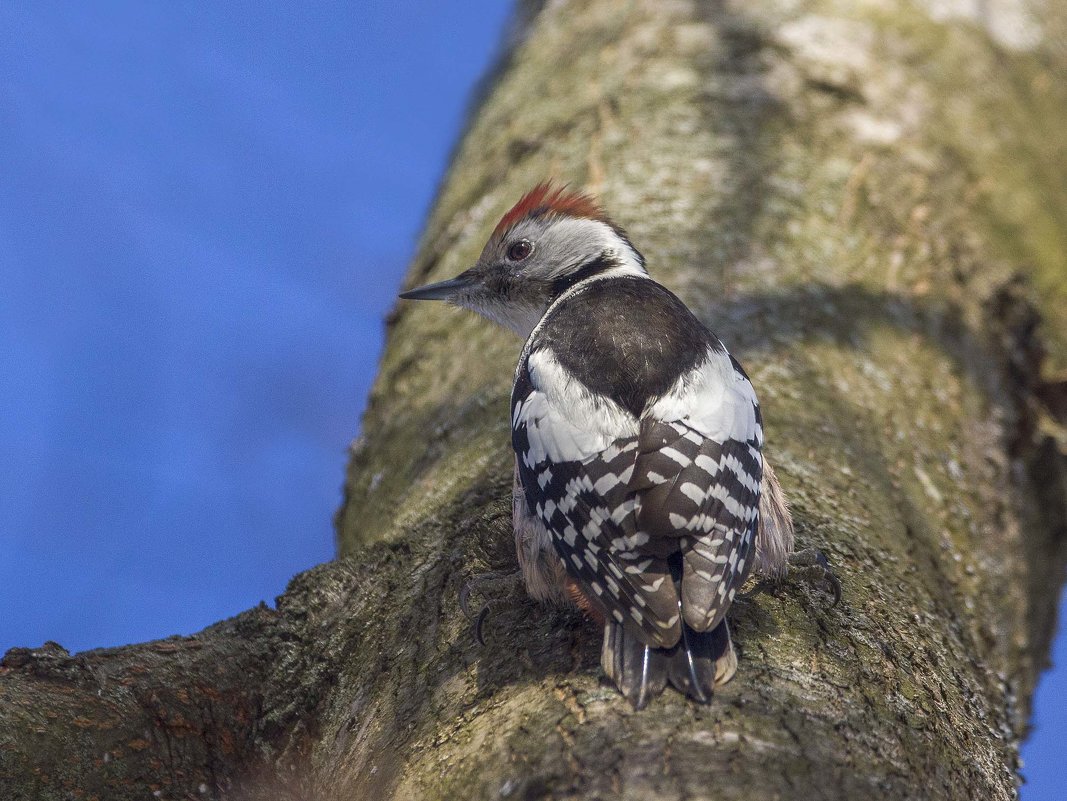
(641, 491)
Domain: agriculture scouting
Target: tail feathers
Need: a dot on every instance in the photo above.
(698, 663)
(638, 670)
(701, 661)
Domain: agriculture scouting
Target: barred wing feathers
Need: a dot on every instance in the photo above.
(577, 484)
(713, 501)
(627, 500)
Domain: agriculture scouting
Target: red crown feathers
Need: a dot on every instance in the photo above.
(547, 198)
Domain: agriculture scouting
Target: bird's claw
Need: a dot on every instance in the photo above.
(477, 619)
(465, 599)
(812, 565)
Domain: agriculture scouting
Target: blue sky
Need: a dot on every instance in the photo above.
(204, 217)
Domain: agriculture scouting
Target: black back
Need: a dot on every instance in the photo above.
(628, 338)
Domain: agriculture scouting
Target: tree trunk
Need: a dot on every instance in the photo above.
(867, 203)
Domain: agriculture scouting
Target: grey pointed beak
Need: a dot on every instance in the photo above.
(442, 290)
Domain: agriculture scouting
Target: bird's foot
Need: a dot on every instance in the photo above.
(485, 585)
(812, 565)
(809, 565)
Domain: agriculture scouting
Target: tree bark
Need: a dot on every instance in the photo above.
(867, 203)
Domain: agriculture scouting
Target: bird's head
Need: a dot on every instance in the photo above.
(549, 241)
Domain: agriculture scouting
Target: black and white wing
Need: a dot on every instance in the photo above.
(701, 480)
(654, 517)
(576, 455)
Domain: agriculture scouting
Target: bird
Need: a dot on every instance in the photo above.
(641, 492)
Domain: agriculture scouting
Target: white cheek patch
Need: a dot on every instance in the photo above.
(518, 317)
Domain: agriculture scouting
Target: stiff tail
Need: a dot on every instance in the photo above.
(699, 662)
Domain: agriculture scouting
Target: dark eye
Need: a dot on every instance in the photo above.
(520, 250)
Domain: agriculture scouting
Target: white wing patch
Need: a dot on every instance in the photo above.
(565, 422)
(715, 399)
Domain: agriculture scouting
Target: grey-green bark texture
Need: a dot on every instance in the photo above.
(868, 202)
